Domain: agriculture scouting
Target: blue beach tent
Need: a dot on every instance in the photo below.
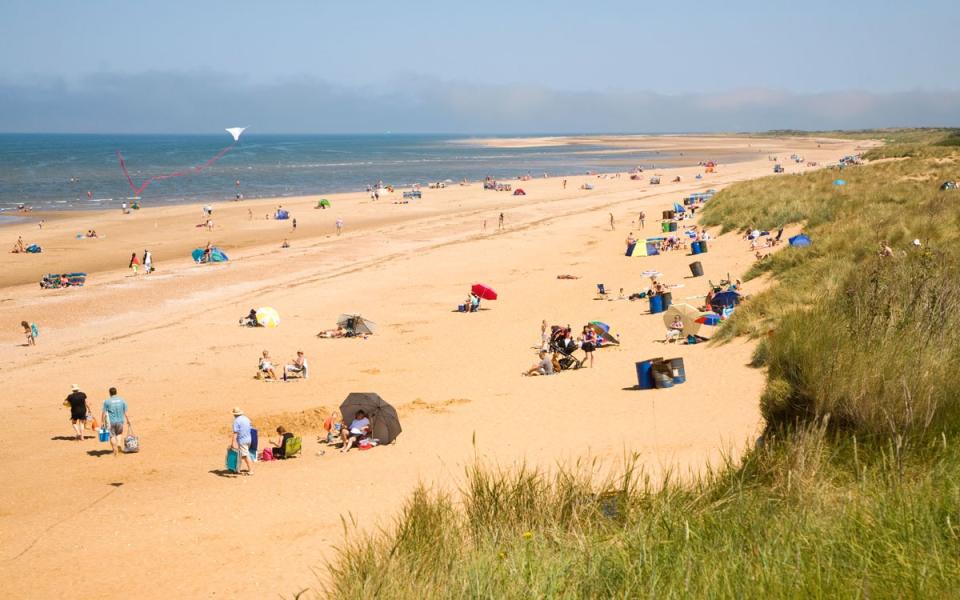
(216, 255)
(800, 241)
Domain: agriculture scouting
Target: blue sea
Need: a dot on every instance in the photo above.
(82, 172)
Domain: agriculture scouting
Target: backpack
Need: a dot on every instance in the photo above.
(266, 455)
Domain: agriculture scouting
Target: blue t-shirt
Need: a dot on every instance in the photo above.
(116, 409)
(241, 427)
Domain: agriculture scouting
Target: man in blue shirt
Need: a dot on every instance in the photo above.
(114, 416)
(241, 439)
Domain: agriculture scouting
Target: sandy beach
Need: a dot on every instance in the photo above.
(173, 524)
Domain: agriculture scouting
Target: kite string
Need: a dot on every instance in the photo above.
(139, 190)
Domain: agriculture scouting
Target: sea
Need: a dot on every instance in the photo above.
(83, 172)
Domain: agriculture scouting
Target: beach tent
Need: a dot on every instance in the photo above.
(356, 324)
(281, 215)
(519, 192)
(677, 207)
(724, 300)
(324, 203)
(34, 249)
(603, 332)
(839, 182)
(268, 317)
(216, 255)
(483, 292)
(643, 249)
(384, 422)
(800, 241)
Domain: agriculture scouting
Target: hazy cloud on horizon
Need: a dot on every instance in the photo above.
(205, 101)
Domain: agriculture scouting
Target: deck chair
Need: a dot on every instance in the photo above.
(293, 372)
(292, 447)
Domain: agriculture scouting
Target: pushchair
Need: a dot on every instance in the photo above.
(567, 359)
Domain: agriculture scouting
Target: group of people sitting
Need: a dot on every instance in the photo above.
(266, 370)
(356, 435)
(470, 304)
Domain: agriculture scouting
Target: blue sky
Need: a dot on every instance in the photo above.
(482, 66)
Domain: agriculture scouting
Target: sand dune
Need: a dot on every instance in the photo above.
(175, 526)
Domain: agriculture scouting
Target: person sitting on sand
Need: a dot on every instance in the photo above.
(675, 330)
(631, 241)
(473, 302)
(333, 333)
(265, 367)
(298, 366)
(251, 319)
(544, 366)
(207, 251)
(18, 247)
(359, 430)
(285, 244)
(280, 442)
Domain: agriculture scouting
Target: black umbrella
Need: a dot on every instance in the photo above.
(384, 422)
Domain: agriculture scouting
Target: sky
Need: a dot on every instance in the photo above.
(482, 67)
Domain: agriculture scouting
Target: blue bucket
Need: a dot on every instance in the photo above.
(103, 435)
(656, 304)
(695, 248)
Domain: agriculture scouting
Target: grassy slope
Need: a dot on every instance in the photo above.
(855, 490)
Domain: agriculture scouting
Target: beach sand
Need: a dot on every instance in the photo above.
(167, 522)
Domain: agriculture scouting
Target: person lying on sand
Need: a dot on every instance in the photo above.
(544, 366)
(265, 367)
(565, 276)
(359, 430)
(333, 333)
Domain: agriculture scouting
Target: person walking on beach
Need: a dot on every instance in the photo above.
(114, 416)
(241, 438)
(294, 224)
(77, 401)
(643, 219)
(611, 222)
(134, 262)
(31, 331)
(339, 225)
(147, 262)
(500, 223)
(249, 214)
(564, 184)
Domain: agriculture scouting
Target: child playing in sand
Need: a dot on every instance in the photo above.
(31, 331)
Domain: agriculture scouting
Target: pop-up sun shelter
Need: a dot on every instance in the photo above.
(281, 215)
(356, 324)
(647, 248)
(384, 422)
(800, 240)
(216, 255)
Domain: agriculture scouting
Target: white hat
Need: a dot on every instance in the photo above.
(74, 387)
(236, 411)
(916, 242)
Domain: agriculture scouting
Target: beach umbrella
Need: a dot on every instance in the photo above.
(602, 330)
(687, 314)
(600, 325)
(384, 422)
(356, 324)
(724, 300)
(268, 317)
(712, 319)
(483, 292)
(324, 203)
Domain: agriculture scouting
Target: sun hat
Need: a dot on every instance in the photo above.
(916, 242)
(236, 411)
(74, 387)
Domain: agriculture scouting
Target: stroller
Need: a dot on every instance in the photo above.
(567, 359)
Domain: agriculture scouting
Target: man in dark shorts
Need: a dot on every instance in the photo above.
(78, 410)
(114, 416)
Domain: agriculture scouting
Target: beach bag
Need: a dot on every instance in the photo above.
(131, 444)
(266, 455)
(34, 330)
